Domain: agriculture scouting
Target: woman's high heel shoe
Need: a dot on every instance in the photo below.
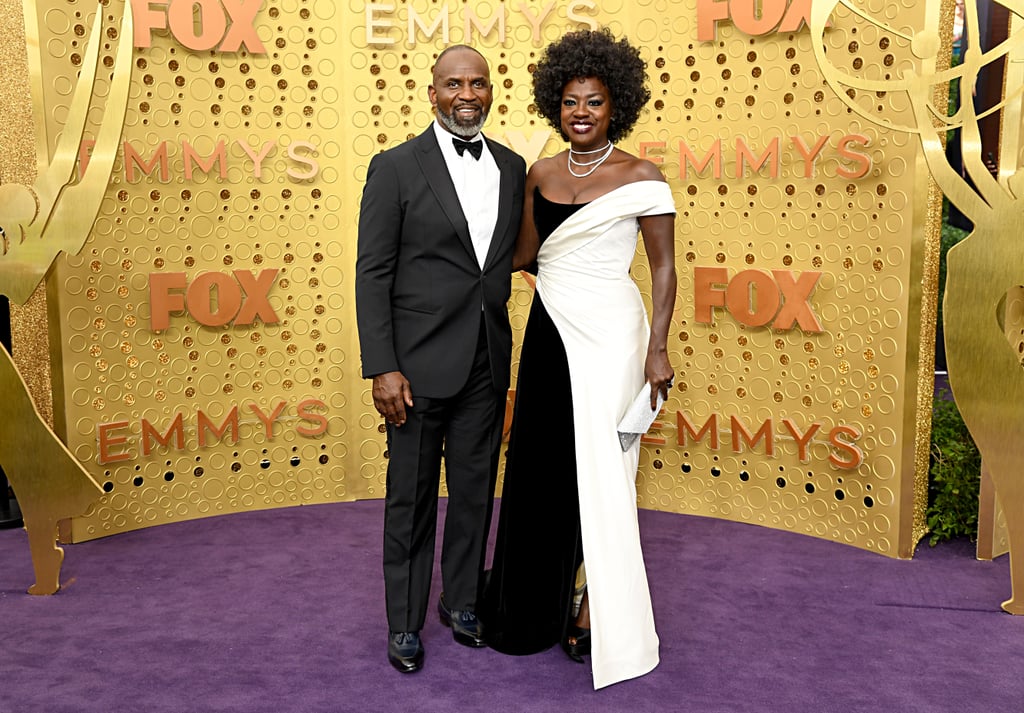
(577, 643)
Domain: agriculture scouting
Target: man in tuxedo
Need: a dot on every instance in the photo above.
(438, 222)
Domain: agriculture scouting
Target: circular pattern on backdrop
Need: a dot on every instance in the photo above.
(266, 154)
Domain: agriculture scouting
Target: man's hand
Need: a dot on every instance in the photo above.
(391, 394)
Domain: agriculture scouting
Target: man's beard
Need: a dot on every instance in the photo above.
(466, 131)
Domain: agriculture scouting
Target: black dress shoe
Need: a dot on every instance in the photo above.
(577, 643)
(466, 628)
(405, 651)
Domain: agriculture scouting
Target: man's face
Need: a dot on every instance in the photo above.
(461, 92)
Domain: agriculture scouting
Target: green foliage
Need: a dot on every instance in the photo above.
(951, 235)
(954, 475)
(954, 87)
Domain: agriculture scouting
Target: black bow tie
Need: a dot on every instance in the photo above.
(474, 147)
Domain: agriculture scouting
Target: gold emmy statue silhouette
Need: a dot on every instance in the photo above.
(37, 222)
(985, 271)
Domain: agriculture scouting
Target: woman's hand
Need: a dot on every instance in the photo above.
(658, 373)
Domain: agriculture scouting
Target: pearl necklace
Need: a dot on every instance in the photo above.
(594, 164)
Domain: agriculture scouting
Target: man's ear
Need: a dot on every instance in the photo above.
(432, 96)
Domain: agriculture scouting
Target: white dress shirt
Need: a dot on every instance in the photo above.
(477, 183)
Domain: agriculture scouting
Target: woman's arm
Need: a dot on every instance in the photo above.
(528, 242)
(659, 242)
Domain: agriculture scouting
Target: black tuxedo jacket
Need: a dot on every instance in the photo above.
(419, 287)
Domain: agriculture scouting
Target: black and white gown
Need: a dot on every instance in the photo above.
(569, 488)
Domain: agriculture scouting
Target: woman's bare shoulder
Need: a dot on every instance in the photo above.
(545, 166)
(640, 169)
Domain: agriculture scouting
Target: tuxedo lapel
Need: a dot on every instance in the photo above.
(505, 195)
(435, 171)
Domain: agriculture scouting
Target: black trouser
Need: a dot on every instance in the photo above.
(466, 429)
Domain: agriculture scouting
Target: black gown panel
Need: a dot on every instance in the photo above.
(538, 547)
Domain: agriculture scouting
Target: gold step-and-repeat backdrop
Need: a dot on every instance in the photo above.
(204, 350)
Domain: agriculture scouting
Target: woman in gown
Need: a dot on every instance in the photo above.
(570, 490)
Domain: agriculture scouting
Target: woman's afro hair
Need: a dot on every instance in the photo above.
(592, 53)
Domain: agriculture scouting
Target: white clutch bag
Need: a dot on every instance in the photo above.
(638, 418)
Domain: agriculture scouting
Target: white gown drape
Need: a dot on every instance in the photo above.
(583, 279)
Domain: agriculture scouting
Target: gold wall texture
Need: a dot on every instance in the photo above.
(231, 213)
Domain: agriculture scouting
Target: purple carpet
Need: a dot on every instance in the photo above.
(284, 611)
